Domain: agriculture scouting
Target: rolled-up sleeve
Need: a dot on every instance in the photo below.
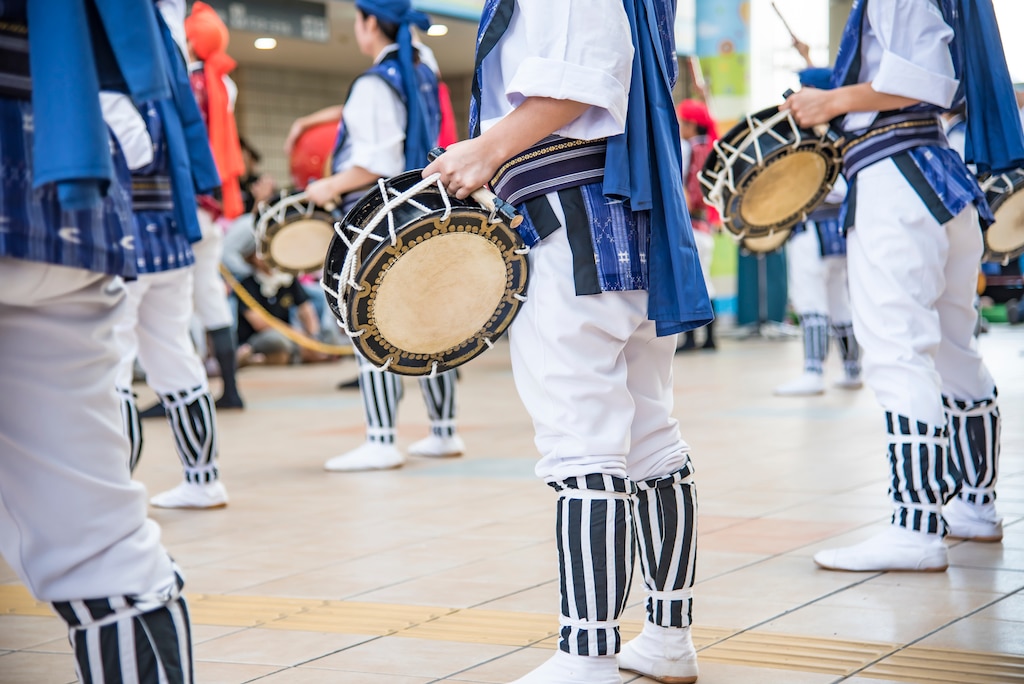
(916, 61)
(375, 125)
(578, 50)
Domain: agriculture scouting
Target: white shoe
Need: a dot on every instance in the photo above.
(664, 654)
(972, 522)
(806, 385)
(438, 447)
(563, 668)
(849, 382)
(894, 549)
(193, 495)
(369, 456)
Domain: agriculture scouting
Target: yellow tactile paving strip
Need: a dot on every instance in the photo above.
(750, 648)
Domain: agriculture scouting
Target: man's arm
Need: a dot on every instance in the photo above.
(812, 106)
(470, 164)
(299, 126)
(308, 319)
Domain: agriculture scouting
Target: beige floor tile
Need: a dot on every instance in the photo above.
(410, 657)
(980, 634)
(230, 673)
(273, 647)
(897, 625)
(21, 632)
(505, 668)
(310, 675)
(37, 668)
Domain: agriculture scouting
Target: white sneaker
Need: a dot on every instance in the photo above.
(664, 654)
(369, 456)
(894, 549)
(438, 447)
(972, 522)
(193, 495)
(806, 385)
(849, 382)
(563, 668)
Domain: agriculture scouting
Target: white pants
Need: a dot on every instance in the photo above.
(593, 375)
(155, 327)
(816, 284)
(705, 243)
(72, 523)
(912, 285)
(211, 299)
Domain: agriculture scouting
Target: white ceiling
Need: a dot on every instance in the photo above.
(341, 56)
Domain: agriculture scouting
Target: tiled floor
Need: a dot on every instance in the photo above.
(444, 570)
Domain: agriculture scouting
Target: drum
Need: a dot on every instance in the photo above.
(766, 244)
(1004, 239)
(423, 282)
(767, 173)
(292, 236)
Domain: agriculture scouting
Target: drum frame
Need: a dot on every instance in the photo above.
(998, 188)
(742, 146)
(368, 250)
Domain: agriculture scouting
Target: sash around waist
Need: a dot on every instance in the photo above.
(889, 135)
(152, 193)
(555, 163)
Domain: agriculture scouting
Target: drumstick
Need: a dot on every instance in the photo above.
(785, 23)
(488, 199)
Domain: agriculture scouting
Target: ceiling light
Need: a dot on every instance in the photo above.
(437, 30)
(265, 43)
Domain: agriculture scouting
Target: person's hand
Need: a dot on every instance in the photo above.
(262, 189)
(464, 167)
(297, 129)
(811, 106)
(803, 49)
(321, 192)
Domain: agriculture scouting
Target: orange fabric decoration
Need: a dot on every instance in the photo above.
(449, 131)
(208, 37)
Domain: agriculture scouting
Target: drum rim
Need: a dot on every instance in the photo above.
(996, 199)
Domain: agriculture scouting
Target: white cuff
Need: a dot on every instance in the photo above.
(897, 76)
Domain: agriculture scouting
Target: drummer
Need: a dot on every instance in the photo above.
(389, 123)
(913, 250)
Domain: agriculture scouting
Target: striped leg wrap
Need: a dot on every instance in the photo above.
(594, 528)
(193, 422)
(439, 395)
(923, 476)
(666, 523)
(815, 329)
(131, 639)
(132, 425)
(974, 429)
(848, 347)
(381, 393)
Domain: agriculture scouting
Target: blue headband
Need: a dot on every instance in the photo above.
(395, 12)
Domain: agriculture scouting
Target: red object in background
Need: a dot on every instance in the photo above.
(449, 131)
(312, 153)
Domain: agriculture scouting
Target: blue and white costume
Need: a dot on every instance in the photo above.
(914, 247)
(613, 264)
(74, 525)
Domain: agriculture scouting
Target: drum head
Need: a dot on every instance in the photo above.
(300, 245)
(1004, 239)
(440, 294)
(784, 190)
(767, 243)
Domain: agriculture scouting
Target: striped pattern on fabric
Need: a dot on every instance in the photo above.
(381, 392)
(596, 543)
(32, 225)
(555, 163)
(923, 475)
(132, 425)
(890, 134)
(815, 331)
(131, 639)
(849, 349)
(194, 424)
(974, 435)
(666, 524)
(439, 396)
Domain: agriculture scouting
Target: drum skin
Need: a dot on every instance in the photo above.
(766, 174)
(1004, 239)
(437, 296)
(293, 235)
(767, 243)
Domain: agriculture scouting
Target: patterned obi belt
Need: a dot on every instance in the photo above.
(15, 80)
(553, 164)
(890, 134)
(152, 193)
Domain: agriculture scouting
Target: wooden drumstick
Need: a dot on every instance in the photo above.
(785, 23)
(488, 199)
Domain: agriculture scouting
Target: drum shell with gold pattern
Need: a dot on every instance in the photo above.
(439, 294)
(770, 173)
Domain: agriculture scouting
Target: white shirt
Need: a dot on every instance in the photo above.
(905, 51)
(375, 120)
(578, 50)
